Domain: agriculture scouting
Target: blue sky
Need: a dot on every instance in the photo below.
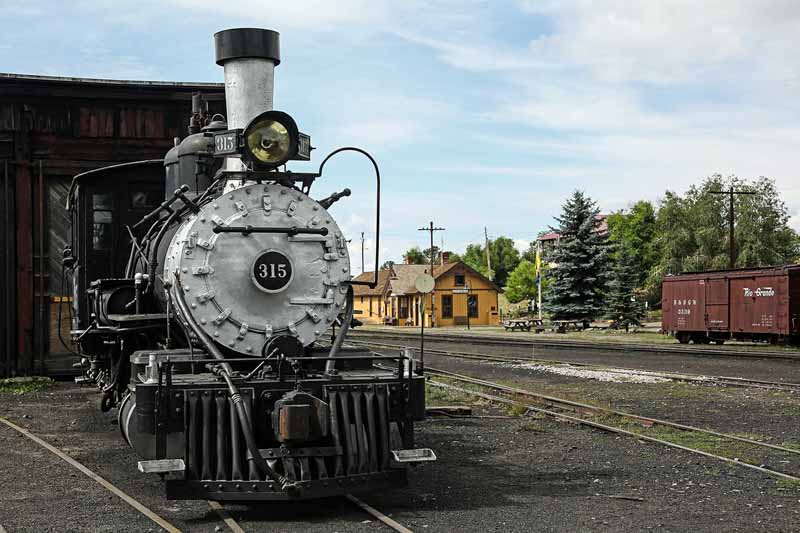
(480, 113)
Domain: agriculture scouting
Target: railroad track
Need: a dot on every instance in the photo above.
(576, 412)
(230, 523)
(674, 376)
(489, 340)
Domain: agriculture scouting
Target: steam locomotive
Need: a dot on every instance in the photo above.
(212, 340)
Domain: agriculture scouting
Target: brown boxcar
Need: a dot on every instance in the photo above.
(749, 304)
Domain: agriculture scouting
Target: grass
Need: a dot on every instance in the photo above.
(786, 485)
(437, 395)
(24, 385)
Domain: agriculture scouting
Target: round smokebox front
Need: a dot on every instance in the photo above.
(246, 287)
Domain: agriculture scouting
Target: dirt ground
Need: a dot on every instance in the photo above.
(493, 474)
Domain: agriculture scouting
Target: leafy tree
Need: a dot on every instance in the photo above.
(692, 230)
(475, 256)
(634, 232)
(505, 258)
(624, 308)
(503, 254)
(387, 265)
(453, 257)
(415, 256)
(437, 254)
(521, 283)
(530, 253)
(579, 278)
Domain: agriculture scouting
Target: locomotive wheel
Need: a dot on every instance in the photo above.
(719, 342)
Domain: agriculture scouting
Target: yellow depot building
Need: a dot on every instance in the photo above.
(460, 294)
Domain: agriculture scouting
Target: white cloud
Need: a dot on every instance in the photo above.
(668, 42)
(522, 245)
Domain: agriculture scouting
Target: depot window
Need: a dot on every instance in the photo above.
(460, 280)
(447, 306)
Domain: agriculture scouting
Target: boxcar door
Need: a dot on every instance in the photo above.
(717, 304)
(756, 302)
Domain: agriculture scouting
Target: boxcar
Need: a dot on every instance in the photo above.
(749, 304)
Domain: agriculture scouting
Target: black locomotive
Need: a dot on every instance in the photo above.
(206, 285)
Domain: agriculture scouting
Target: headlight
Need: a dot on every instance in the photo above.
(270, 139)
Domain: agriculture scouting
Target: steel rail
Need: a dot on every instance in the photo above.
(379, 515)
(619, 431)
(605, 410)
(482, 339)
(690, 378)
(161, 522)
(225, 516)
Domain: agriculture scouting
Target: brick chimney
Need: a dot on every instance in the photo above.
(445, 257)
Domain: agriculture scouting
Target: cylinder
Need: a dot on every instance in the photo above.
(249, 57)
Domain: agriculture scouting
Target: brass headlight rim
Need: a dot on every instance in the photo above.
(288, 123)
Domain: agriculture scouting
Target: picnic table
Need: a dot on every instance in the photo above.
(523, 323)
(562, 326)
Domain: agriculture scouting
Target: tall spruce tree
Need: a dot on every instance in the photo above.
(580, 275)
(624, 308)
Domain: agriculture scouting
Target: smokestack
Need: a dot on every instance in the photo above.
(249, 57)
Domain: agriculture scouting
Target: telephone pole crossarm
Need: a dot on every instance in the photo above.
(431, 229)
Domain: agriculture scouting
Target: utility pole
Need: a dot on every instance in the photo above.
(362, 252)
(732, 222)
(488, 255)
(539, 275)
(430, 229)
